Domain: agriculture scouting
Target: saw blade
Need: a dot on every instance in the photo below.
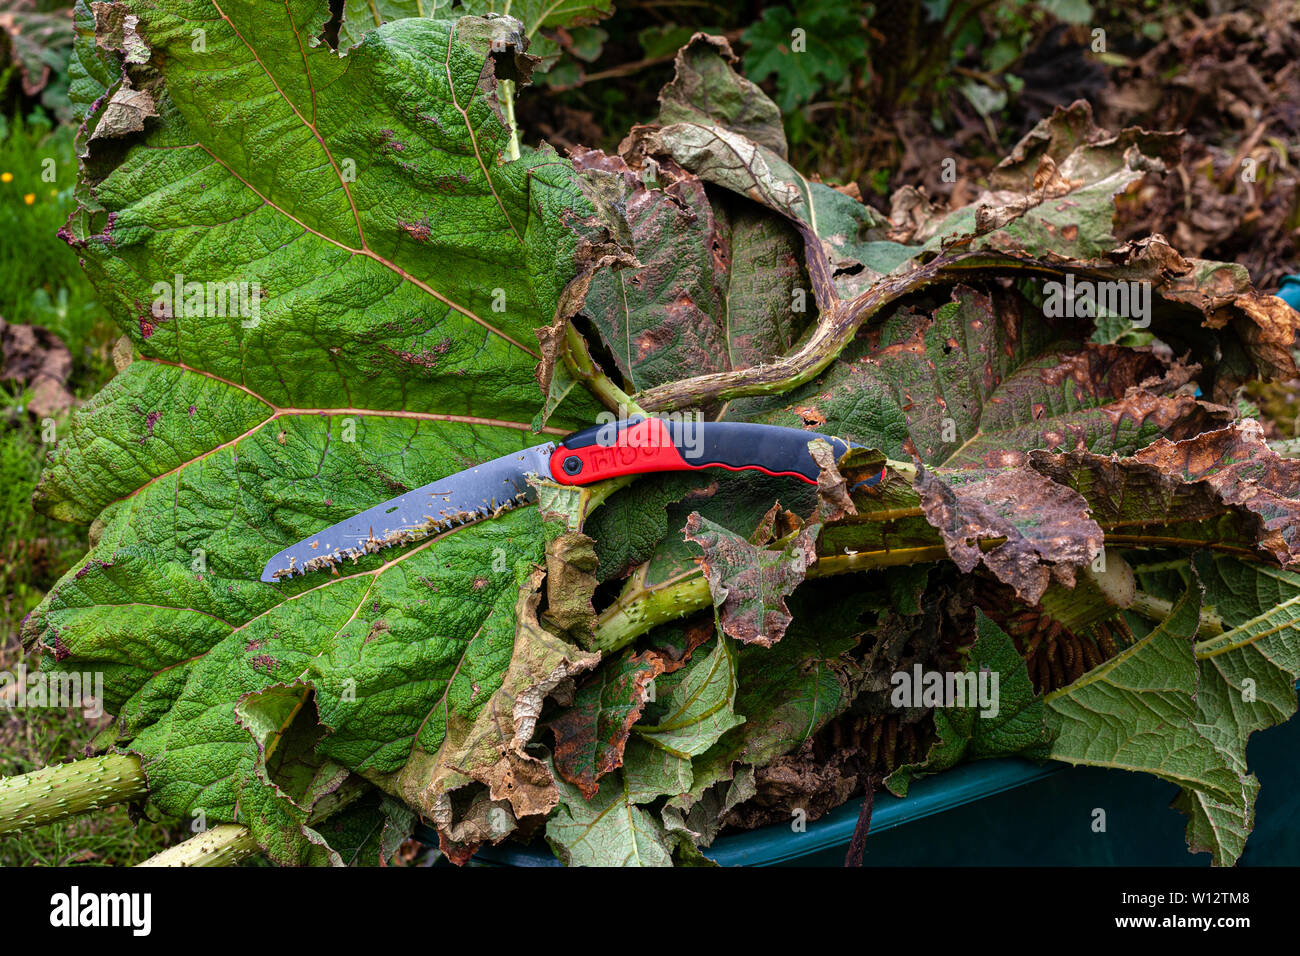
(474, 494)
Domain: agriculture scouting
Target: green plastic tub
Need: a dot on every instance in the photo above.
(1013, 812)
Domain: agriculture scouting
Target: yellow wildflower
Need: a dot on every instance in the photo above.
(6, 177)
(29, 198)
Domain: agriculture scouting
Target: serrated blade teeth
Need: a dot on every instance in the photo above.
(483, 491)
(432, 526)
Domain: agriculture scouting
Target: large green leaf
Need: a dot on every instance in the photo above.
(403, 266)
(1246, 682)
(362, 16)
(1142, 711)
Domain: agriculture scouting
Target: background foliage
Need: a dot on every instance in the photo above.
(885, 93)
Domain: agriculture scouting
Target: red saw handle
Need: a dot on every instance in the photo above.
(640, 445)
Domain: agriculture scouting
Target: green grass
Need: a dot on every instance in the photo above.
(108, 838)
(35, 551)
(41, 283)
(31, 739)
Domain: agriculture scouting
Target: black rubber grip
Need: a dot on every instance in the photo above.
(772, 448)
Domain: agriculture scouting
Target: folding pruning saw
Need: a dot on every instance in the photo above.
(637, 445)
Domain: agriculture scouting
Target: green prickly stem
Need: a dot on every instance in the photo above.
(641, 607)
(52, 793)
(223, 845)
(228, 843)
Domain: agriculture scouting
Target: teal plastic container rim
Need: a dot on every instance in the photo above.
(1289, 292)
(779, 843)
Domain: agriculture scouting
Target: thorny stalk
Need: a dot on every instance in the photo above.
(80, 786)
(583, 368)
(641, 607)
(223, 845)
(506, 94)
(228, 843)
(839, 321)
(1158, 609)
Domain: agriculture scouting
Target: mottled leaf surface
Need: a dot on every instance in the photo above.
(984, 378)
(592, 732)
(691, 708)
(750, 581)
(1045, 528)
(1053, 195)
(679, 312)
(706, 87)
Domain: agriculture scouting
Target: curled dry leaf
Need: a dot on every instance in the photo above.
(570, 583)
(117, 30)
(1239, 465)
(125, 113)
(749, 582)
(1174, 492)
(1039, 531)
(493, 749)
(707, 87)
(833, 500)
